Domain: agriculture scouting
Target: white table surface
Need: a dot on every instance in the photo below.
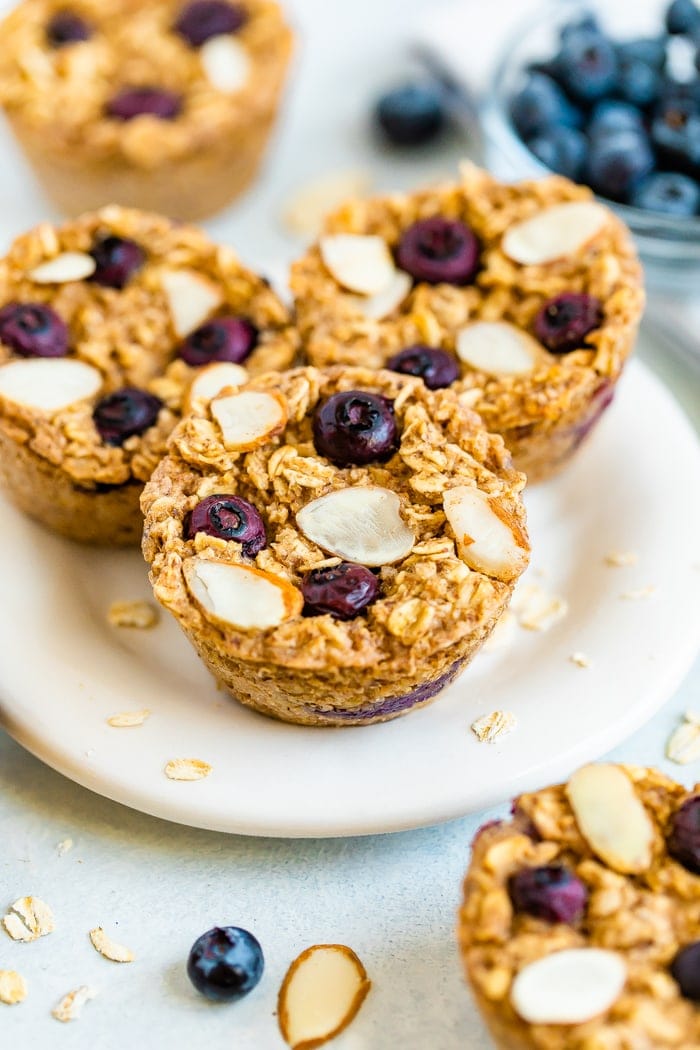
(157, 886)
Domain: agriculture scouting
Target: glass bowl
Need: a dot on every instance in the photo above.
(669, 246)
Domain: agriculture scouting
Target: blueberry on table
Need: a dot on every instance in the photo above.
(225, 964)
(539, 104)
(342, 590)
(617, 164)
(437, 368)
(668, 193)
(682, 16)
(562, 150)
(355, 428)
(33, 330)
(588, 66)
(228, 518)
(551, 892)
(411, 115)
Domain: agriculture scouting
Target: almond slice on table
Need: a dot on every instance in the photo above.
(28, 919)
(13, 987)
(569, 987)
(191, 299)
(225, 62)
(64, 268)
(241, 596)
(361, 524)
(71, 1005)
(497, 348)
(611, 817)
(321, 994)
(249, 419)
(212, 379)
(360, 263)
(187, 769)
(48, 384)
(489, 539)
(554, 233)
(109, 948)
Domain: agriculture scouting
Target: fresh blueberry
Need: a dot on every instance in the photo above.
(412, 114)
(439, 251)
(124, 413)
(588, 66)
(587, 23)
(228, 518)
(117, 260)
(437, 368)
(563, 150)
(67, 28)
(669, 193)
(684, 838)
(33, 330)
(203, 19)
(225, 963)
(540, 104)
(563, 322)
(132, 102)
(675, 134)
(651, 50)
(638, 82)
(618, 163)
(342, 590)
(551, 892)
(612, 118)
(685, 970)
(682, 16)
(354, 428)
(223, 339)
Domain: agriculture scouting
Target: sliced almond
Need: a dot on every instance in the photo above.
(683, 746)
(69, 266)
(360, 524)
(554, 233)
(71, 1004)
(569, 987)
(13, 987)
(489, 539)
(48, 384)
(28, 919)
(612, 818)
(497, 348)
(128, 719)
(192, 299)
(321, 993)
(249, 419)
(226, 63)
(241, 596)
(381, 304)
(109, 948)
(361, 263)
(212, 379)
(187, 769)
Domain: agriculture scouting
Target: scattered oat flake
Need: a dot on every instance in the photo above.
(13, 987)
(619, 559)
(639, 594)
(71, 1004)
(138, 614)
(307, 207)
(109, 948)
(580, 659)
(187, 769)
(683, 746)
(65, 846)
(127, 719)
(489, 728)
(28, 919)
(537, 609)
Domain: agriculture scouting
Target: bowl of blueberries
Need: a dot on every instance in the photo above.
(609, 95)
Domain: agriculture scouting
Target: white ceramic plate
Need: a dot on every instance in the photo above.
(64, 670)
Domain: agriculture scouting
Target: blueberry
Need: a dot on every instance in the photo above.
(228, 518)
(675, 133)
(223, 339)
(669, 193)
(682, 16)
(563, 322)
(539, 104)
(203, 19)
(412, 114)
(124, 413)
(562, 150)
(439, 251)
(587, 23)
(684, 837)
(67, 28)
(651, 50)
(132, 102)
(552, 893)
(617, 163)
(612, 117)
(685, 970)
(587, 66)
(355, 428)
(33, 330)
(117, 260)
(342, 590)
(638, 82)
(225, 963)
(437, 368)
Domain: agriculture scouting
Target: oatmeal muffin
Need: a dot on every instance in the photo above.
(166, 105)
(336, 544)
(107, 325)
(580, 928)
(527, 297)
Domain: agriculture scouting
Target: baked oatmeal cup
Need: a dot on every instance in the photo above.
(580, 928)
(528, 296)
(166, 105)
(109, 325)
(335, 544)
